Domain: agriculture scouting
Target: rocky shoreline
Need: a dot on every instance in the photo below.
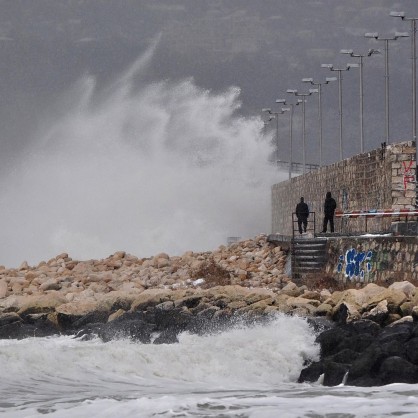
(368, 336)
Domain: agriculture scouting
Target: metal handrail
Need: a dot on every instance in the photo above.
(310, 227)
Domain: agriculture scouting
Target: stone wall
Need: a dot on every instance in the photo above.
(374, 259)
(379, 179)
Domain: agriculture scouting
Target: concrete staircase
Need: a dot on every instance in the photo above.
(308, 256)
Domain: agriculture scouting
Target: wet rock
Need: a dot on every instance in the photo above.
(371, 354)
(398, 370)
(334, 373)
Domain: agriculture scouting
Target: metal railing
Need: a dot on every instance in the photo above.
(309, 228)
(407, 214)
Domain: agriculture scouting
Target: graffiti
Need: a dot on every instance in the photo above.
(357, 263)
(408, 174)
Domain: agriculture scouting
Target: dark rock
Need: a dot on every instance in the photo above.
(319, 324)
(341, 314)
(176, 318)
(91, 318)
(358, 342)
(221, 303)
(398, 370)
(367, 364)
(311, 373)
(19, 330)
(132, 329)
(9, 318)
(331, 339)
(168, 336)
(190, 302)
(208, 312)
(334, 373)
(401, 332)
(412, 350)
(365, 326)
(414, 333)
(346, 356)
(394, 348)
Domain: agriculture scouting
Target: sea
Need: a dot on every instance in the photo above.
(245, 371)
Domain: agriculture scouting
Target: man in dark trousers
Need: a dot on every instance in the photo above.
(302, 213)
(329, 209)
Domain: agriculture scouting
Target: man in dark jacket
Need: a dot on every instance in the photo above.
(329, 209)
(302, 213)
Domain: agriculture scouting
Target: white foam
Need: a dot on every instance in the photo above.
(143, 168)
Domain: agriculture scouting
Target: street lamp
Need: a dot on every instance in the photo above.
(340, 96)
(386, 40)
(355, 55)
(319, 85)
(302, 102)
(413, 21)
(275, 115)
(290, 110)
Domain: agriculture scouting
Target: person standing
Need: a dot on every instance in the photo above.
(329, 209)
(302, 214)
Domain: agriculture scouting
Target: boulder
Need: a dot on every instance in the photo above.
(405, 287)
(379, 313)
(397, 370)
(151, 297)
(394, 298)
(8, 318)
(41, 304)
(69, 313)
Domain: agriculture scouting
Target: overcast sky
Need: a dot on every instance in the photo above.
(262, 47)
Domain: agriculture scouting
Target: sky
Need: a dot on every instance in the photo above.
(102, 100)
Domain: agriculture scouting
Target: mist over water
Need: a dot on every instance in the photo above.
(142, 168)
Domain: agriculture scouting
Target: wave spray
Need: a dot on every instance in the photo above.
(138, 167)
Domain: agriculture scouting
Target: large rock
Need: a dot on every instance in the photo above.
(397, 370)
(371, 355)
(405, 287)
(41, 304)
(152, 297)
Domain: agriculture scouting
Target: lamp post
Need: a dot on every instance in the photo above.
(319, 86)
(275, 115)
(290, 110)
(386, 40)
(340, 96)
(302, 102)
(355, 55)
(413, 21)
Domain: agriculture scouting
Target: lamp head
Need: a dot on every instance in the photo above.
(291, 91)
(313, 91)
(401, 35)
(373, 51)
(307, 80)
(397, 14)
(329, 79)
(374, 35)
(353, 65)
(266, 109)
(346, 51)
(327, 66)
(285, 109)
(281, 101)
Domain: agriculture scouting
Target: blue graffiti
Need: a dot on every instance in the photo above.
(356, 263)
